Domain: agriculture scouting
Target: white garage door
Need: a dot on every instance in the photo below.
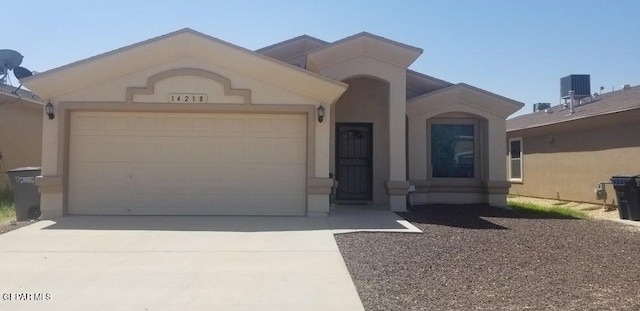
(187, 164)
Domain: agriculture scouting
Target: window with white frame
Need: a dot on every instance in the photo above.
(454, 148)
(515, 159)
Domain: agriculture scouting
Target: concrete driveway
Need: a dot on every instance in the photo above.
(174, 263)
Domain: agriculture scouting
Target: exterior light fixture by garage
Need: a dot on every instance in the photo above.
(320, 112)
(48, 109)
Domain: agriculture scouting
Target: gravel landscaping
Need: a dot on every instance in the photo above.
(483, 258)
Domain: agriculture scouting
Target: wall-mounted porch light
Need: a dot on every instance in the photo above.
(320, 113)
(48, 109)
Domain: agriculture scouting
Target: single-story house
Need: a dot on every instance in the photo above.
(187, 124)
(557, 154)
(20, 130)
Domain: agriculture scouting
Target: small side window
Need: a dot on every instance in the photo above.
(515, 159)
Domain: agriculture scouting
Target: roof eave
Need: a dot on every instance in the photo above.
(326, 55)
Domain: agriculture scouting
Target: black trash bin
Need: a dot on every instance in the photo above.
(628, 194)
(25, 193)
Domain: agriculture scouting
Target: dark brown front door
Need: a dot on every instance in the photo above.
(354, 155)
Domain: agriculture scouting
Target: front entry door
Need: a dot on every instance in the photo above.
(354, 155)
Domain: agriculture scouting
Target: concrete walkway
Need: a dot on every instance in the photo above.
(348, 219)
(175, 263)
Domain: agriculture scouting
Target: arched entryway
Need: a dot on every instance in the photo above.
(360, 141)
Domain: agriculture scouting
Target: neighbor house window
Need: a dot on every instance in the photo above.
(515, 159)
(453, 150)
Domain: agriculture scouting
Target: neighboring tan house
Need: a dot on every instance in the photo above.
(186, 124)
(20, 130)
(558, 155)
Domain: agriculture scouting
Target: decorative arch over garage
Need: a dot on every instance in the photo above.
(133, 93)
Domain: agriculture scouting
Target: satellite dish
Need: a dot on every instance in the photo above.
(9, 59)
(21, 72)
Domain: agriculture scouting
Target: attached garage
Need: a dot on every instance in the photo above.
(202, 128)
(165, 163)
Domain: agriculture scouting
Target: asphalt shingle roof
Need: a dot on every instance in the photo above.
(612, 102)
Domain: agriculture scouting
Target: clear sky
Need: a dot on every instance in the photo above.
(518, 48)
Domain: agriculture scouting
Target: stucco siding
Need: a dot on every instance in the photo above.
(20, 136)
(569, 165)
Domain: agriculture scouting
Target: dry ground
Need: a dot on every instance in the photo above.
(596, 211)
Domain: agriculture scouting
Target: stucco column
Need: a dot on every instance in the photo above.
(497, 182)
(50, 182)
(319, 185)
(397, 184)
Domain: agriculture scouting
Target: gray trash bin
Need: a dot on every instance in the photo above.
(25, 192)
(628, 193)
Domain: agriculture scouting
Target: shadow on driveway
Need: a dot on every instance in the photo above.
(470, 216)
(340, 220)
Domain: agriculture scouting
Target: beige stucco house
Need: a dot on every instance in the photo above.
(20, 130)
(189, 124)
(557, 154)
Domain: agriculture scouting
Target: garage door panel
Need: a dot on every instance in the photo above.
(113, 173)
(232, 176)
(99, 203)
(116, 124)
(202, 200)
(289, 178)
(172, 149)
(145, 150)
(175, 124)
(145, 125)
(116, 151)
(232, 126)
(204, 126)
(187, 164)
(88, 125)
(168, 198)
(204, 175)
(290, 150)
(261, 174)
(259, 126)
(105, 175)
(203, 150)
(291, 127)
(93, 176)
(85, 148)
(261, 151)
(229, 150)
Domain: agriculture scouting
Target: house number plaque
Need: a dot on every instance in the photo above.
(197, 98)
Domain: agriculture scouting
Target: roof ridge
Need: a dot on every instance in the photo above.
(281, 43)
